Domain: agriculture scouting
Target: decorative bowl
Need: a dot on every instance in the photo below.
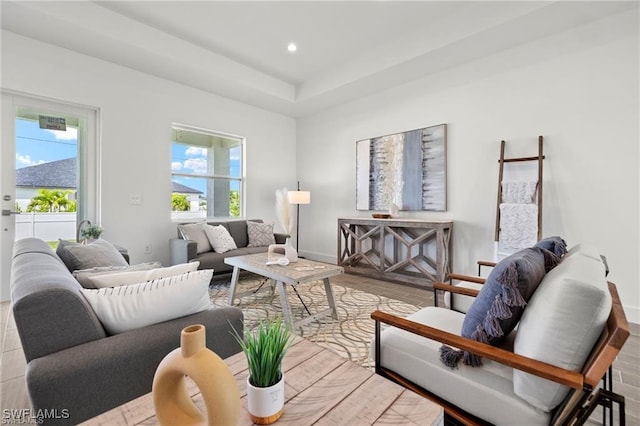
(381, 215)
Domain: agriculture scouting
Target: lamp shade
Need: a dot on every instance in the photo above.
(299, 197)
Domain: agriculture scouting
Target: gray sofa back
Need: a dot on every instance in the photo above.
(237, 228)
(50, 312)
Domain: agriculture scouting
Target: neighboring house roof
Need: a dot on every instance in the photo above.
(183, 189)
(55, 174)
(62, 174)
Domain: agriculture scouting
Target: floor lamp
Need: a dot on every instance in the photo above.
(298, 197)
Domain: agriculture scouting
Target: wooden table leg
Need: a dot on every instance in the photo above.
(234, 284)
(332, 303)
(284, 300)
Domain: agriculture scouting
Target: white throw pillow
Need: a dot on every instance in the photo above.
(195, 232)
(220, 238)
(83, 275)
(134, 277)
(128, 307)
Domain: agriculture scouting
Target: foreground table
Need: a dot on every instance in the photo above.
(320, 388)
(293, 274)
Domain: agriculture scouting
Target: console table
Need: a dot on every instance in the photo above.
(403, 250)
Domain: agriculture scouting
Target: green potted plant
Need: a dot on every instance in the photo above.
(265, 349)
(92, 232)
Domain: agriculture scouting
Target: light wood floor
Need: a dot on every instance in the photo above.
(13, 393)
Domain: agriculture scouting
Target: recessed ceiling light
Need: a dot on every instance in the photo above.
(291, 47)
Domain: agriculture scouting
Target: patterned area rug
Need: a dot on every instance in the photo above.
(349, 336)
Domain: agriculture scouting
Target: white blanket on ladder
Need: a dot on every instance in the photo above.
(518, 192)
(518, 225)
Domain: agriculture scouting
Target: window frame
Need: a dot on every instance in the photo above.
(211, 178)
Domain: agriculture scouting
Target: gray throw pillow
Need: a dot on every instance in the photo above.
(499, 305)
(98, 253)
(260, 234)
(195, 232)
(555, 245)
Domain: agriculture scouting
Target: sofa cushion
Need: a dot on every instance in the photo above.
(134, 277)
(215, 261)
(561, 324)
(490, 385)
(500, 303)
(260, 234)
(220, 238)
(98, 253)
(83, 275)
(195, 232)
(134, 306)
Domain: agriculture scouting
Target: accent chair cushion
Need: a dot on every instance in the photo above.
(98, 253)
(584, 249)
(134, 277)
(134, 306)
(561, 324)
(195, 232)
(485, 391)
(220, 238)
(260, 234)
(500, 303)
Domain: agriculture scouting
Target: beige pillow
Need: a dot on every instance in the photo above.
(195, 232)
(133, 277)
(220, 238)
(83, 275)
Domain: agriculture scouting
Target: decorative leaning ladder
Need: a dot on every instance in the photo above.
(502, 161)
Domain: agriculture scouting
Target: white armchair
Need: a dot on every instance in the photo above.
(547, 371)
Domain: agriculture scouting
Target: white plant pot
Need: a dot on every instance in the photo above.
(265, 405)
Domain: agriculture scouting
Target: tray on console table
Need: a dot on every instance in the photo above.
(403, 250)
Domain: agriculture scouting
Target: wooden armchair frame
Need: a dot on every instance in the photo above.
(456, 289)
(586, 393)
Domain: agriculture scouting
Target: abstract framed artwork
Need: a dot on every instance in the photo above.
(408, 170)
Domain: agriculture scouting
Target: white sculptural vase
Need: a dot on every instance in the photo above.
(290, 252)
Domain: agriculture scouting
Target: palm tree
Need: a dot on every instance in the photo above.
(51, 200)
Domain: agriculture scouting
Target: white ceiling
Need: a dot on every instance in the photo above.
(346, 50)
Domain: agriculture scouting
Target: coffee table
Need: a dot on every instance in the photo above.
(292, 274)
(320, 388)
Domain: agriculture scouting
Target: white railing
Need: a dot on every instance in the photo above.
(47, 226)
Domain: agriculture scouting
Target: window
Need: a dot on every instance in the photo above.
(206, 173)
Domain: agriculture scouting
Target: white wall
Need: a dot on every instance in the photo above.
(136, 112)
(578, 89)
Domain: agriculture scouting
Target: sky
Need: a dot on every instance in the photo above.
(36, 146)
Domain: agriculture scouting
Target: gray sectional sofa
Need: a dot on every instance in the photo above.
(183, 251)
(75, 370)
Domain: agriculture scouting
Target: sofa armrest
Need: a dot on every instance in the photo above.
(563, 376)
(182, 251)
(281, 238)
